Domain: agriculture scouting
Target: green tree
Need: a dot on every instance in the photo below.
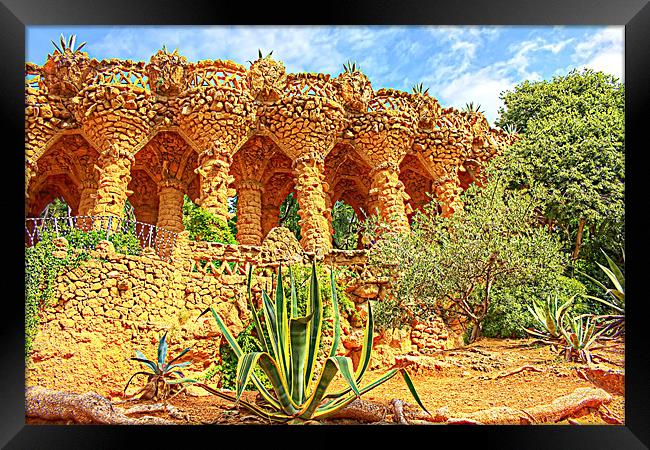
(572, 146)
(450, 266)
(346, 226)
(205, 226)
(289, 215)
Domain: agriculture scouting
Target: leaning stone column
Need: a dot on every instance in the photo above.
(448, 194)
(249, 212)
(170, 208)
(314, 225)
(146, 214)
(214, 167)
(114, 177)
(387, 194)
(270, 217)
(87, 197)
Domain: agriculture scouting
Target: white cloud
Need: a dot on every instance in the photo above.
(603, 51)
(482, 87)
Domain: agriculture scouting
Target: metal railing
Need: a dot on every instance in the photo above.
(160, 239)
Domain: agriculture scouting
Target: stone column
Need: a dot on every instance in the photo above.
(87, 197)
(388, 195)
(448, 194)
(214, 167)
(269, 220)
(114, 177)
(170, 207)
(249, 212)
(310, 192)
(146, 214)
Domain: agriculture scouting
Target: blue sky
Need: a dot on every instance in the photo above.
(459, 64)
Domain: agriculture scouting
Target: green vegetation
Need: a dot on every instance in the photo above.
(419, 89)
(289, 358)
(471, 108)
(202, 225)
(572, 147)
(248, 340)
(41, 269)
(227, 368)
(350, 67)
(289, 215)
(160, 372)
(508, 313)
(615, 320)
(549, 317)
(452, 266)
(346, 226)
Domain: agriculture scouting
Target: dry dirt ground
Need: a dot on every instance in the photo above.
(465, 380)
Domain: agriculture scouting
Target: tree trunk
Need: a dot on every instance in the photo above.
(576, 250)
(476, 331)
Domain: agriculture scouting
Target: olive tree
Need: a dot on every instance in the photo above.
(449, 266)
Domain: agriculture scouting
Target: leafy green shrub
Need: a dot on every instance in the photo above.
(452, 266)
(508, 314)
(228, 365)
(124, 242)
(289, 358)
(202, 225)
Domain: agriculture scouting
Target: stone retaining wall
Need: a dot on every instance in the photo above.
(115, 304)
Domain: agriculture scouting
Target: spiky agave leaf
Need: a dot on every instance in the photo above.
(273, 371)
(56, 47)
(162, 350)
(232, 342)
(132, 377)
(314, 331)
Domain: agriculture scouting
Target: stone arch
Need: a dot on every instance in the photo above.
(48, 189)
(261, 176)
(66, 169)
(348, 178)
(418, 183)
(163, 172)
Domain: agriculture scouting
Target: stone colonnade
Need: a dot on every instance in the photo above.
(216, 108)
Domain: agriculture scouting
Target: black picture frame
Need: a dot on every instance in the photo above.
(16, 15)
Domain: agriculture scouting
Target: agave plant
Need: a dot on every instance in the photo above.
(511, 128)
(549, 316)
(579, 336)
(617, 293)
(350, 67)
(260, 56)
(419, 89)
(289, 358)
(161, 375)
(68, 46)
(471, 108)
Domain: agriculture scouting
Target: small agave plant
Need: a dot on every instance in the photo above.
(471, 108)
(350, 67)
(579, 337)
(419, 89)
(289, 359)
(549, 318)
(161, 375)
(614, 322)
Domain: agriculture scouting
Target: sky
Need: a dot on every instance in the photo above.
(459, 64)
